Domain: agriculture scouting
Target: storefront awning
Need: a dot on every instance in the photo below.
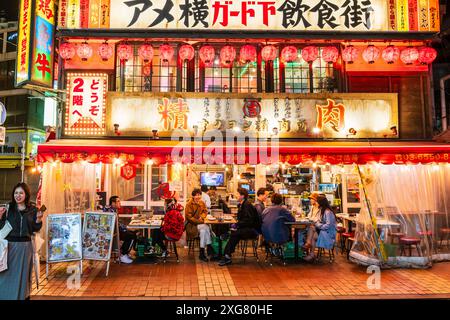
(159, 151)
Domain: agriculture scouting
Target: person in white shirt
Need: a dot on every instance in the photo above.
(205, 197)
(314, 213)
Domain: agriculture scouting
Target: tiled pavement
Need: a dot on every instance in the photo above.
(194, 279)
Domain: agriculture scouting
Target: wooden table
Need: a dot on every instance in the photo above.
(298, 225)
(220, 222)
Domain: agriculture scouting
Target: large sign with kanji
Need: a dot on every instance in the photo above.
(85, 104)
(343, 115)
(264, 15)
(35, 45)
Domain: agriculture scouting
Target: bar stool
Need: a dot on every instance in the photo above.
(254, 244)
(192, 243)
(396, 235)
(347, 236)
(321, 252)
(274, 247)
(409, 242)
(171, 243)
(339, 232)
(444, 233)
(428, 235)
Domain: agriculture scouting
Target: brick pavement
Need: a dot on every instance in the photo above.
(194, 279)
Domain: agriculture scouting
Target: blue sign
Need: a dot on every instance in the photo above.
(2, 114)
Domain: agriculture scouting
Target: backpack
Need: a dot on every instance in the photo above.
(173, 224)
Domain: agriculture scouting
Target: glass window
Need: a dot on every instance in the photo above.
(11, 41)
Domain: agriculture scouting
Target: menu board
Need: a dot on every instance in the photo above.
(64, 237)
(98, 231)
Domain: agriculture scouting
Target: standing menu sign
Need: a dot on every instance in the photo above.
(98, 231)
(64, 237)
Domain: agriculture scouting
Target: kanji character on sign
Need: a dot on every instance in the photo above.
(77, 100)
(355, 14)
(163, 110)
(43, 64)
(293, 13)
(196, 8)
(44, 7)
(325, 10)
(179, 114)
(332, 114)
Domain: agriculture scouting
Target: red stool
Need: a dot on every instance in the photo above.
(396, 235)
(409, 242)
(347, 244)
(444, 233)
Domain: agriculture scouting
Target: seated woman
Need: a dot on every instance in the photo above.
(172, 227)
(325, 229)
(274, 217)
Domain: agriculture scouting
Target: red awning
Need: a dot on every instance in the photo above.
(139, 151)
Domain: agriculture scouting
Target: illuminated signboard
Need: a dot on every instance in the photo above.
(85, 104)
(340, 115)
(288, 15)
(36, 45)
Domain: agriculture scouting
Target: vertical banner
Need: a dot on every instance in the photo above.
(62, 17)
(434, 15)
(423, 15)
(105, 8)
(23, 43)
(392, 10)
(84, 14)
(402, 15)
(73, 18)
(413, 15)
(94, 14)
(85, 105)
(43, 46)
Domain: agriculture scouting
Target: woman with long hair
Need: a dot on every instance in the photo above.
(325, 235)
(25, 219)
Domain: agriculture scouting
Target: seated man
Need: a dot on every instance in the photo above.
(128, 237)
(274, 217)
(247, 226)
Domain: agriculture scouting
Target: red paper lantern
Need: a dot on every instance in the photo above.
(390, 54)
(350, 54)
(105, 51)
(427, 55)
(289, 54)
(227, 55)
(269, 53)
(186, 52)
(409, 55)
(145, 52)
(84, 51)
(67, 51)
(124, 52)
(207, 54)
(247, 53)
(166, 52)
(330, 54)
(371, 54)
(310, 53)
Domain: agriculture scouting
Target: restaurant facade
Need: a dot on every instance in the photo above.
(299, 95)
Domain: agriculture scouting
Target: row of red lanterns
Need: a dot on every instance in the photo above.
(248, 53)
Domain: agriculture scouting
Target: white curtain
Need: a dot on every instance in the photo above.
(406, 201)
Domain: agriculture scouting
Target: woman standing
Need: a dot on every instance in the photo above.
(24, 218)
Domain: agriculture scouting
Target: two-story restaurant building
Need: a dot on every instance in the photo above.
(331, 95)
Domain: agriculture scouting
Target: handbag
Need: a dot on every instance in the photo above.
(4, 246)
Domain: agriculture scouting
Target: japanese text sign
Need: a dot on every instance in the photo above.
(264, 15)
(35, 46)
(85, 105)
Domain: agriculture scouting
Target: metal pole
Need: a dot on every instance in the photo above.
(443, 106)
(22, 162)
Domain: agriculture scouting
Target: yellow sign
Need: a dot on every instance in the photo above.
(282, 15)
(23, 42)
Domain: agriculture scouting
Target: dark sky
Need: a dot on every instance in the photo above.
(11, 7)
